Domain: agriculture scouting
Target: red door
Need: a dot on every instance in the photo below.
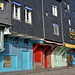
(46, 59)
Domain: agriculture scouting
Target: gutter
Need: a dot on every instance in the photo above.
(62, 24)
(43, 20)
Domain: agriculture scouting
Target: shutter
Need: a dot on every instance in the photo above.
(14, 13)
(18, 16)
(56, 11)
(53, 10)
(30, 18)
(25, 15)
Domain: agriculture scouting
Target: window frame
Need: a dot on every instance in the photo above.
(56, 29)
(2, 6)
(27, 12)
(26, 41)
(69, 21)
(68, 7)
(6, 61)
(54, 10)
(16, 38)
(16, 11)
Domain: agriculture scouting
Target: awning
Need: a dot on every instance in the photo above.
(28, 8)
(69, 45)
(17, 3)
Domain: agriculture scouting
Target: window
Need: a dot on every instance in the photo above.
(65, 9)
(5, 38)
(70, 29)
(68, 7)
(7, 61)
(26, 42)
(1, 6)
(73, 30)
(46, 13)
(28, 14)
(56, 29)
(54, 10)
(65, 3)
(15, 40)
(69, 21)
(16, 12)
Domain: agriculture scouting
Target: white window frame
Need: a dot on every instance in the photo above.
(65, 9)
(28, 16)
(70, 29)
(68, 7)
(56, 29)
(65, 3)
(69, 21)
(73, 30)
(54, 10)
(18, 14)
(2, 6)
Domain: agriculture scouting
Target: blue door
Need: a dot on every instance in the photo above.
(25, 59)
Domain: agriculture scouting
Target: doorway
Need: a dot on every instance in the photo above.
(25, 59)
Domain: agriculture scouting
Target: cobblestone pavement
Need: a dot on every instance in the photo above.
(64, 71)
(70, 71)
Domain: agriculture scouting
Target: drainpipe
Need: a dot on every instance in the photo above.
(62, 23)
(43, 20)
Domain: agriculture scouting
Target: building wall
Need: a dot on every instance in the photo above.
(5, 14)
(50, 20)
(16, 53)
(66, 16)
(34, 29)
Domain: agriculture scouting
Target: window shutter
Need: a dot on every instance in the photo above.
(25, 15)
(14, 14)
(55, 11)
(18, 13)
(30, 17)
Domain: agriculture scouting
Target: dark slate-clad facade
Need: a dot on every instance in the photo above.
(66, 16)
(51, 19)
(5, 14)
(34, 29)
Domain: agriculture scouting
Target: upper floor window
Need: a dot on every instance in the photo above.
(73, 30)
(54, 10)
(69, 21)
(68, 7)
(16, 12)
(65, 3)
(15, 40)
(70, 29)
(56, 29)
(65, 9)
(26, 42)
(28, 15)
(1, 6)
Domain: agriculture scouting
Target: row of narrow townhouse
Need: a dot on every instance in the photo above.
(19, 51)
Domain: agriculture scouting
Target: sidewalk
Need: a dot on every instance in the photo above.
(25, 72)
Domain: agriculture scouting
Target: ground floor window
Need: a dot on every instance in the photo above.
(7, 61)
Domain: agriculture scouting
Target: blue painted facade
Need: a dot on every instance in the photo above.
(73, 53)
(21, 55)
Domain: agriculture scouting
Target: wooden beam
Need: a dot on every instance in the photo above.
(35, 47)
(45, 49)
